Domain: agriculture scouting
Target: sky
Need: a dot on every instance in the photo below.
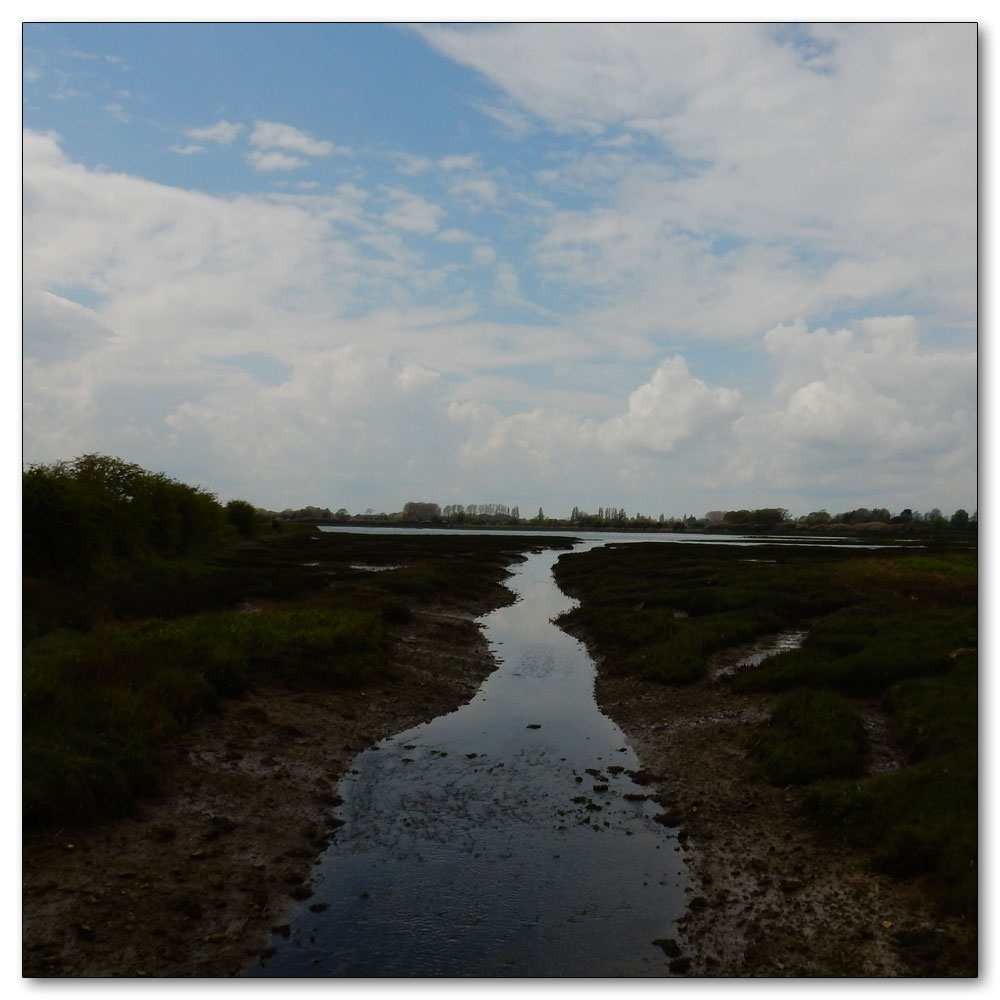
(668, 267)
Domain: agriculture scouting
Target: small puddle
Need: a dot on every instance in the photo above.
(503, 839)
(730, 661)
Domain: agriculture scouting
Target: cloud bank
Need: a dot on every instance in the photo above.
(710, 266)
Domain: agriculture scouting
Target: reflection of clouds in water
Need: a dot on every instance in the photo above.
(488, 820)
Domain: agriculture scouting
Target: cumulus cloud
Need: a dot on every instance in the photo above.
(669, 411)
(870, 406)
(58, 328)
(836, 162)
(687, 186)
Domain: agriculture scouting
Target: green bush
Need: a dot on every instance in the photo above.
(79, 516)
(681, 661)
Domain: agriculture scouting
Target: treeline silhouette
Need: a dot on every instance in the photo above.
(88, 513)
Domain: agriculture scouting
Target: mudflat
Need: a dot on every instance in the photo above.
(199, 878)
(196, 881)
(769, 897)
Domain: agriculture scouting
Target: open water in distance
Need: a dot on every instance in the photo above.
(502, 839)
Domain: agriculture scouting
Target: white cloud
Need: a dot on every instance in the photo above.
(412, 212)
(459, 162)
(475, 190)
(686, 185)
(483, 254)
(411, 165)
(868, 406)
(267, 162)
(222, 132)
(671, 410)
(58, 328)
(456, 236)
(853, 183)
(274, 135)
(118, 112)
(514, 123)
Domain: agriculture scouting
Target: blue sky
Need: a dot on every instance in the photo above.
(667, 267)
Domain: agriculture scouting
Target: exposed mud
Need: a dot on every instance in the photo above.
(194, 884)
(769, 898)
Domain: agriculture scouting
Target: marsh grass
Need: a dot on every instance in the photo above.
(118, 661)
(97, 706)
(895, 628)
(658, 611)
(812, 734)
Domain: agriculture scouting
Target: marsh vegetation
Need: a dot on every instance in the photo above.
(891, 628)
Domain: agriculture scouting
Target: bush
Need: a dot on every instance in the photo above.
(918, 821)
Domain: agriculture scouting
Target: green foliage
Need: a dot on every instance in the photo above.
(918, 821)
(865, 650)
(78, 516)
(658, 611)
(242, 516)
(811, 734)
(937, 715)
(98, 703)
(97, 706)
(899, 627)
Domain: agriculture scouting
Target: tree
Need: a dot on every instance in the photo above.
(960, 519)
(421, 511)
(78, 515)
(242, 516)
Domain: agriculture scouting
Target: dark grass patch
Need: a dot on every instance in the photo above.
(100, 699)
(812, 734)
(918, 822)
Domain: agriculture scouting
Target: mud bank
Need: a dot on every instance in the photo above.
(194, 884)
(768, 897)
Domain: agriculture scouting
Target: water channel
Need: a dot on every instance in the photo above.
(502, 839)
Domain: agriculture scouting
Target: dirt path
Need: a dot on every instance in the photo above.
(194, 884)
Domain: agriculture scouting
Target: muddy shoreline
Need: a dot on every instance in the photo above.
(196, 883)
(768, 896)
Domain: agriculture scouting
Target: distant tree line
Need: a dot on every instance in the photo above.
(762, 519)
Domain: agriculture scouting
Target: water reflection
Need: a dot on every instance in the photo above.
(497, 840)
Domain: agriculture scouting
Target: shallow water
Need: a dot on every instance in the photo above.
(497, 840)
